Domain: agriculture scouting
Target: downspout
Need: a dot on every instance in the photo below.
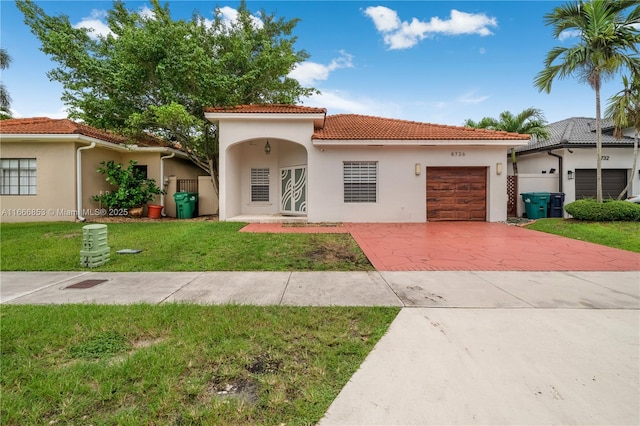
(162, 178)
(79, 179)
(560, 173)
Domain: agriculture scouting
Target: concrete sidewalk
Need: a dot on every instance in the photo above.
(479, 289)
(468, 347)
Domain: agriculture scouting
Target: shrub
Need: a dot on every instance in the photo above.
(133, 189)
(613, 210)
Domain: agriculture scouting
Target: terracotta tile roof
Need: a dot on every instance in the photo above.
(267, 109)
(63, 126)
(362, 127)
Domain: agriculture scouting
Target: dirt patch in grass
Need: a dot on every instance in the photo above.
(243, 390)
(332, 251)
(264, 364)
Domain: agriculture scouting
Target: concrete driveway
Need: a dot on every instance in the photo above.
(481, 246)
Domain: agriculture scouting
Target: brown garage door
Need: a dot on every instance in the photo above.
(456, 193)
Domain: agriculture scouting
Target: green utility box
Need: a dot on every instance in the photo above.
(535, 204)
(185, 204)
(95, 251)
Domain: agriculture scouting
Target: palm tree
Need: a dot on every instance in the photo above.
(624, 111)
(531, 121)
(5, 99)
(606, 40)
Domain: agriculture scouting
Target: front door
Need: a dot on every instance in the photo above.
(293, 187)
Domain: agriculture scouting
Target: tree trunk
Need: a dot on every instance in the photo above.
(633, 168)
(598, 144)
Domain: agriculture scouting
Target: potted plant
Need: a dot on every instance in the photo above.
(133, 190)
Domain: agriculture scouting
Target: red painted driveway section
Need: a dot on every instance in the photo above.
(479, 246)
(279, 228)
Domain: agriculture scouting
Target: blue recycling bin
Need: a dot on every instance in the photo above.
(556, 204)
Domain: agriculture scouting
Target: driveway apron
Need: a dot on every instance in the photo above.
(481, 246)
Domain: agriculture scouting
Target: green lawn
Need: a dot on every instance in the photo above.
(179, 364)
(622, 235)
(178, 246)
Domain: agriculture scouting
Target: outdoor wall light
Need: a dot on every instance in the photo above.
(267, 148)
(498, 168)
(418, 169)
(570, 174)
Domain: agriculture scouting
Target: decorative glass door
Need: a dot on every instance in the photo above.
(293, 184)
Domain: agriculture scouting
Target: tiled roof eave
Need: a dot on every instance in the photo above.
(418, 142)
(82, 138)
(623, 143)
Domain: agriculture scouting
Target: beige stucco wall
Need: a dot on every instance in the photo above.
(94, 183)
(56, 183)
(56, 198)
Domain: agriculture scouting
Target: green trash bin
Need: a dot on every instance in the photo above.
(535, 204)
(185, 204)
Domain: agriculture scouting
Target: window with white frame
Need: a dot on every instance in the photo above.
(360, 181)
(18, 176)
(260, 185)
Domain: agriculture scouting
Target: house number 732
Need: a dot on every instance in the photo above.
(605, 158)
(458, 154)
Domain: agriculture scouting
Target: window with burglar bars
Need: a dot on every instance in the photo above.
(360, 181)
(259, 185)
(18, 176)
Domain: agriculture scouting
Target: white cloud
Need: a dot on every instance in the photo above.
(95, 24)
(566, 34)
(383, 18)
(471, 98)
(309, 73)
(146, 13)
(339, 102)
(229, 17)
(63, 112)
(400, 34)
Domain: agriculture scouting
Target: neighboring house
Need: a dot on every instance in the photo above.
(295, 161)
(49, 169)
(566, 162)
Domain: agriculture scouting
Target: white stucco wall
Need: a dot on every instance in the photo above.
(242, 148)
(581, 158)
(535, 182)
(401, 194)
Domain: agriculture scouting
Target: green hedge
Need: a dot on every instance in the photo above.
(612, 210)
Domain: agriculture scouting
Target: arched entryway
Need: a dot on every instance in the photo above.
(266, 178)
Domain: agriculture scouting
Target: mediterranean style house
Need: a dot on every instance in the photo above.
(283, 162)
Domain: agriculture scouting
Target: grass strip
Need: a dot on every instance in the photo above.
(180, 363)
(178, 246)
(622, 235)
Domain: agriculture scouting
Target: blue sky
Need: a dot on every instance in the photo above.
(430, 61)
